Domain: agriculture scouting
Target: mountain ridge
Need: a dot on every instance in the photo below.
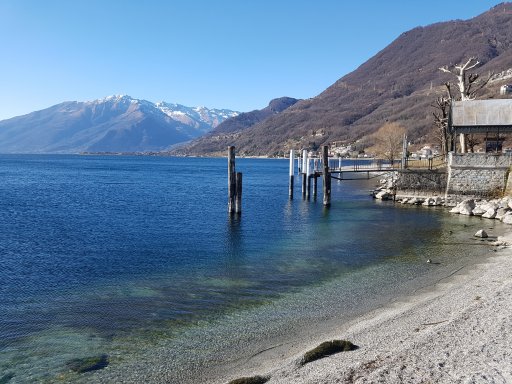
(114, 123)
(212, 143)
(398, 84)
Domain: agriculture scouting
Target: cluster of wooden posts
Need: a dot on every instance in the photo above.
(305, 171)
(307, 175)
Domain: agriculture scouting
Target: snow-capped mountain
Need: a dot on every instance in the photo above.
(116, 123)
(200, 118)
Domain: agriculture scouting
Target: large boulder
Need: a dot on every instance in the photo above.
(429, 201)
(438, 200)
(486, 205)
(490, 213)
(467, 206)
(383, 195)
(482, 234)
(507, 218)
(500, 212)
(415, 201)
(479, 211)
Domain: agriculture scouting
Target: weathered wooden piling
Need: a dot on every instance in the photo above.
(232, 182)
(308, 178)
(304, 177)
(238, 192)
(315, 177)
(292, 172)
(327, 176)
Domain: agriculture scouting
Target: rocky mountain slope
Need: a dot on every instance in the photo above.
(215, 141)
(398, 84)
(112, 124)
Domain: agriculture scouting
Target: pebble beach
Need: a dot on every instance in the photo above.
(455, 332)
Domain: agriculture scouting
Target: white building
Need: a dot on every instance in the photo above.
(506, 89)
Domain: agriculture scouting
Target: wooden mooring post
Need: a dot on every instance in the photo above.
(234, 184)
(292, 172)
(327, 176)
(308, 178)
(303, 173)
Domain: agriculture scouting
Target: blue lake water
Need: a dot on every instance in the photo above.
(115, 254)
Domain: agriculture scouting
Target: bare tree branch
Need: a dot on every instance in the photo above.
(467, 66)
(468, 83)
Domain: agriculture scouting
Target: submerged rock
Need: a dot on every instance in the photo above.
(6, 378)
(88, 364)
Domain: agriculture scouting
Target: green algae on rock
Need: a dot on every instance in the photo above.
(326, 349)
(250, 380)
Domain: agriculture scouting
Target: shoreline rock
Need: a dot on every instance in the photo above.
(497, 208)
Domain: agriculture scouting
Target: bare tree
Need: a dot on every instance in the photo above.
(469, 85)
(472, 141)
(442, 107)
(389, 140)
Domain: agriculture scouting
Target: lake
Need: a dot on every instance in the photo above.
(137, 258)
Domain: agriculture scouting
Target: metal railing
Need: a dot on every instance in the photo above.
(433, 162)
(336, 164)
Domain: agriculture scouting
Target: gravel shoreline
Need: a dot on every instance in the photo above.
(459, 332)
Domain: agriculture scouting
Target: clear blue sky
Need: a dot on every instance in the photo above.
(235, 54)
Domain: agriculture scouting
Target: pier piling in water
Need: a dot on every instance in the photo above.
(234, 184)
(327, 176)
(308, 178)
(292, 172)
(303, 169)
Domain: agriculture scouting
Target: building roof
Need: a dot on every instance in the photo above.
(480, 116)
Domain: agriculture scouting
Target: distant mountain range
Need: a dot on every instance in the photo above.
(112, 124)
(398, 84)
(215, 142)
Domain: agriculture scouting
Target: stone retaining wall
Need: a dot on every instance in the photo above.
(421, 183)
(477, 174)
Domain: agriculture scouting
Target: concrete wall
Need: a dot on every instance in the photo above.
(477, 174)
